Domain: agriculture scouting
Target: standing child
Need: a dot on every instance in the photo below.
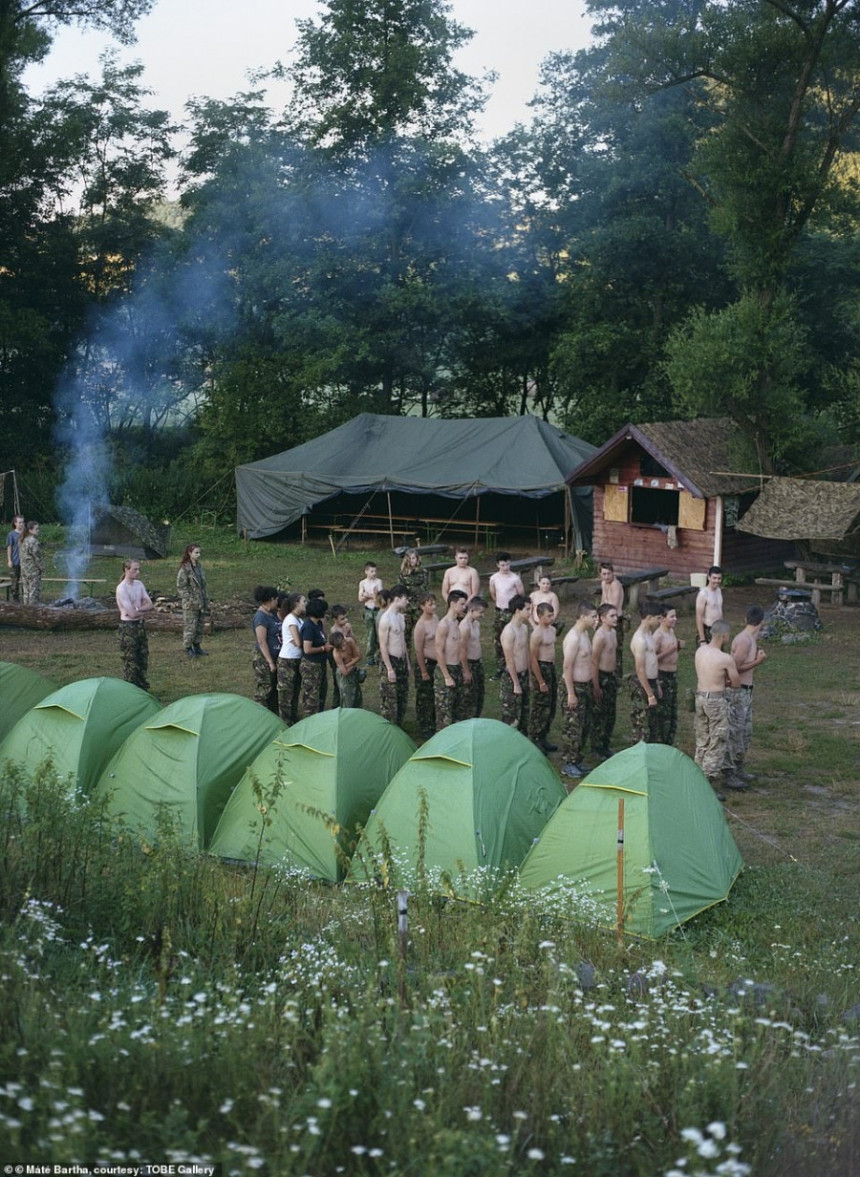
(504, 586)
(416, 578)
(448, 678)
(315, 652)
(394, 658)
(544, 681)
(346, 669)
(544, 595)
(368, 592)
(644, 684)
(578, 705)
(666, 646)
(612, 593)
(474, 678)
(424, 643)
(604, 678)
(514, 681)
(290, 658)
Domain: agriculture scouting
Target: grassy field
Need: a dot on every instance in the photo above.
(162, 1008)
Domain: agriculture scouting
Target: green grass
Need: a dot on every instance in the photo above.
(163, 1007)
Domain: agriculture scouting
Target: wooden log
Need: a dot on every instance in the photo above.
(44, 617)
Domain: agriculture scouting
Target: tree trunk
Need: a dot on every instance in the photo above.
(44, 617)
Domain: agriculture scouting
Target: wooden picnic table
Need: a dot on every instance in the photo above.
(633, 581)
(818, 585)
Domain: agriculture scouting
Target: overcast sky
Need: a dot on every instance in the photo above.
(204, 48)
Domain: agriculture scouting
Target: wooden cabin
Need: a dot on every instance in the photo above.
(670, 495)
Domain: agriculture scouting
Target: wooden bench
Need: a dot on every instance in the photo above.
(538, 563)
(817, 586)
(633, 581)
(684, 593)
(421, 549)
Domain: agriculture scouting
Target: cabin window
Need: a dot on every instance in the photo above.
(657, 507)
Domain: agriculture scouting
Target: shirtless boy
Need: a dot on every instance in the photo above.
(544, 595)
(394, 657)
(666, 647)
(604, 678)
(747, 656)
(514, 679)
(578, 702)
(709, 604)
(644, 684)
(544, 680)
(368, 591)
(448, 676)
(504, 586)
(461, 576)
(715, 670)
(424, 642)
(612, 593)
(346, 660)
(474, 679)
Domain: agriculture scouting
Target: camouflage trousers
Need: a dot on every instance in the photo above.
(289, 688)
(515, 707)
(501, 619)
(313, 677)
(667, 707)
(192, 626)
(603, 722)
(577, 723)
(425, 703)
(740, 726)
(643, 719)
(265, 683)
(394, 696)
(371, 620)
(474, 691)
(15, 578)
(712, 732)
(349, 689)
(134, 650)
(449, 700)
(31, 588)
(543, 705)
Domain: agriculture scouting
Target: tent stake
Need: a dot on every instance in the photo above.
(620, 878)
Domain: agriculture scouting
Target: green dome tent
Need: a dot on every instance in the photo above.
(488, 792)
(188, 759)
(337, 764)
(679, 856)
(20, 689)
(79, 727)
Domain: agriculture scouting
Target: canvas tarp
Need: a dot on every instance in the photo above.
(79, 727)
(679, 855)
(20, 689)
(317, 782)
(824, 514)
(186, 761)
(488, 793)
(523, 456)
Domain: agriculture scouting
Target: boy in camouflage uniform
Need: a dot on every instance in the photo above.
(514, 680)
(394, 657)
(578, 701)
(191, 586)
(424, 664)
(604, 678)
(134, 603)
(715, 670)
(32, 565)
(544, 681)
(644, 684)
(448, 678)
(471, 661)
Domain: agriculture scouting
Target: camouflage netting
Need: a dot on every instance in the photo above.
(824, 514)
(124, 525)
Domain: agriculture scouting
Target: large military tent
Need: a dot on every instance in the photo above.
(405, 469)
(20, 689)
(471, 801)
(79, 727)
(316, 782)
(185, 763)
(679, 856)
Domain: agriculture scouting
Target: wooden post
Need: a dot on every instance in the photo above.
(619, 926)
(567, 521)
(402, 940)
(390, 519)
(477, 518)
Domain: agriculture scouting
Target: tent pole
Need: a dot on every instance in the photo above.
(390, 519)
(566, 521)
(477, 517)
(619, 925)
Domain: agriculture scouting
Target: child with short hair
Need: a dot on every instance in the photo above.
(346, 669)
(544, 679)
(474, 677)
(368, 591)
